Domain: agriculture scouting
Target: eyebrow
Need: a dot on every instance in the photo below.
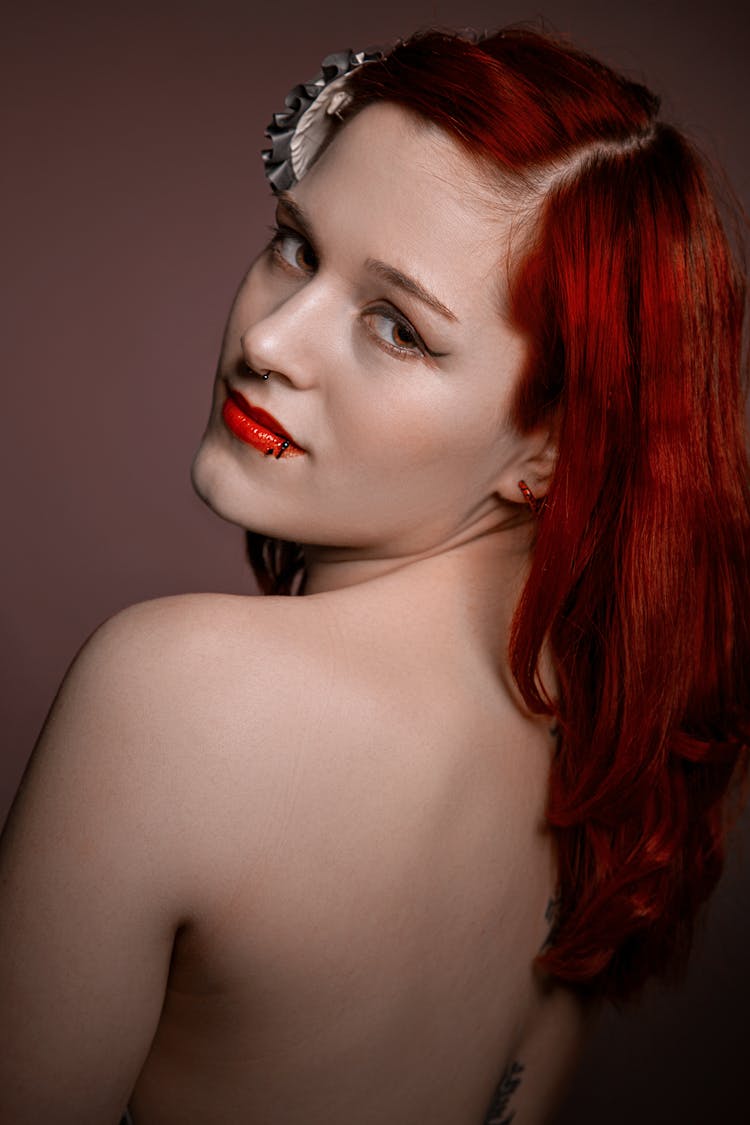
(295, 211)
(409, 285)
(374, 265)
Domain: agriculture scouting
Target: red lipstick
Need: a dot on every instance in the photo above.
(257, 427)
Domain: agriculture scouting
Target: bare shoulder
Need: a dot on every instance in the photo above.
(186, 690)
(147, 705)
(174, 660)
(205, 722)
(175, 634)
(207, 663)
(188, 629)
(103, 857)
(170, 687)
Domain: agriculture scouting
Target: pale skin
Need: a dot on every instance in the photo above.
(284, 860)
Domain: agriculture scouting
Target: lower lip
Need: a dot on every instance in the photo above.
(247, 429)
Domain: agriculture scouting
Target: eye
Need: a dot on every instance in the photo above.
(292, 251)
(395, 333)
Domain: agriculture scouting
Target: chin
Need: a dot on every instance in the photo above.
(201, 474)
(217, 484)
(208, 477)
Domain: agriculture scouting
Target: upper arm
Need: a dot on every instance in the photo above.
(92, 890)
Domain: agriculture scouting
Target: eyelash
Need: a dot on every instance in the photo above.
(279, 236)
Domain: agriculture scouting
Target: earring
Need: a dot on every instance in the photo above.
(529, 497)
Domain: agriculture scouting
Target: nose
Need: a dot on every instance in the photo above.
(289, 339)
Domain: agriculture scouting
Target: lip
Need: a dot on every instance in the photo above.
(257, 427)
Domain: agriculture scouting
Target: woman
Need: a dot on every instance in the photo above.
(360, 853)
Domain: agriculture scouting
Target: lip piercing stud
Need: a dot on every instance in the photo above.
(284, 445)
(268, 451)
(265, 374)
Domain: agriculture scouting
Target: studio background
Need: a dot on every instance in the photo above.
(135, 201)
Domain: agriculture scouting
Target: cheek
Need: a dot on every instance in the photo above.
(427, 437)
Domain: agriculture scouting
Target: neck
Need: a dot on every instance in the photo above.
(496, 548)
(462, 595)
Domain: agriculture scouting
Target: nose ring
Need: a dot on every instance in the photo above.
(260, 374)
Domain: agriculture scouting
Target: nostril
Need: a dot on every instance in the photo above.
(260, 374)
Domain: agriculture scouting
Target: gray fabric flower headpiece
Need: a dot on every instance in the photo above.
(297, 133)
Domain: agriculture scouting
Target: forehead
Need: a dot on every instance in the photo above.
(394, 187)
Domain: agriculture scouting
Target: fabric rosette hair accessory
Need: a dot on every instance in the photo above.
(299, 131)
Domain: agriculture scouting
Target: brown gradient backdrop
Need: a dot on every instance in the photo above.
(136, 201)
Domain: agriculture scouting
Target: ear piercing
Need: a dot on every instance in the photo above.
(529, 497)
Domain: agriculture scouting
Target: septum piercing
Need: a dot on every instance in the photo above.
(260, 374)
(285, 444)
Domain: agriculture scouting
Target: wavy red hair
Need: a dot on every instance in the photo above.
(633, 305)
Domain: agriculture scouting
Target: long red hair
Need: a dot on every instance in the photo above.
(638, 588)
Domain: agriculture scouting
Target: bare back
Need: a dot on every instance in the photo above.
(378, 884)
(284, 860)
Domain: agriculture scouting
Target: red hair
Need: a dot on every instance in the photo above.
(633, 305)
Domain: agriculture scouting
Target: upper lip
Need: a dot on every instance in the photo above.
(259, 415)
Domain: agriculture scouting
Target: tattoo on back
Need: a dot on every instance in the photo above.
(498, 1113)
(552, 918)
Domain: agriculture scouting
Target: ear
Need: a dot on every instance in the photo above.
(533, 463)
